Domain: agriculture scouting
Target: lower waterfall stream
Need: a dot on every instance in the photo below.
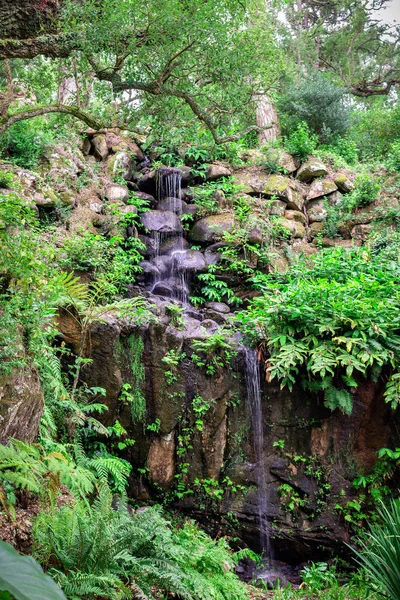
(254, 407)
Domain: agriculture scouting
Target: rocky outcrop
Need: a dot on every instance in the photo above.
(199, 439)
(21, 405)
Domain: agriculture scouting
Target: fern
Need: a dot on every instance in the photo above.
(106, 551)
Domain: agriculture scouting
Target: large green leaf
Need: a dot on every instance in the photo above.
(24, 578)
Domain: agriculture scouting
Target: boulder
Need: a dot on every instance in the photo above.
(212, 254)
(162, 288)
(176, 205)
(45, 199)
(343, 183)
(295, 215)
(296, 229)
(129, 209)
(255, 236)
(150, 271)
(284, 188)
(96, 207)
(163, 264)
(164, 221)
(151, 245)
(210, 229)
(220, 307)
(316, 228)
(173, 243)
(283, 159)
(115, 192)
(317, 211)
(277, 207)
(296, 201)
(321, 187)
(21, 405)
(190, 209)
(100, 148)
(361, 232)
(120, 164)
(186, 175)
(216, 171)
(251, 180)
(189, 260)
(311, 170)
(278, 185)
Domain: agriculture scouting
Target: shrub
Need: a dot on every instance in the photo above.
(25, 142)
(367, 190)
(319, 103)
(380, 551)
(343, 148)
(301, 142)
(329, 323)
(393, 158)
(105, 551)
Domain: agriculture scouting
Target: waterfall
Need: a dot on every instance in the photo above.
(254, 407)
(169, 182)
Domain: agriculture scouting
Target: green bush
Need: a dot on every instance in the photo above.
(25, 142)
(393, 158)
(301, 142)
(380, 551)
(367, 190)
(107, 551)
(344, 148)
(319, 103)
(330, 323)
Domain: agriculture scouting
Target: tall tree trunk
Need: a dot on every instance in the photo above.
(266, 114)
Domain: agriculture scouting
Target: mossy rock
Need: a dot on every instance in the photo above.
(311, 170)
(210, 229)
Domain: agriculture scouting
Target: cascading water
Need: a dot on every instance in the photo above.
(254, 407)
(169, 198)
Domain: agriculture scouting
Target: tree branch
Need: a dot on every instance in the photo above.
(53, 46)
(36, 111)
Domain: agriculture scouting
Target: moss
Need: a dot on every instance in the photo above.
(277, 184)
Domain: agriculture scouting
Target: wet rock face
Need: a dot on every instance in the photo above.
(219, 443)
(163, 221)
(189, 260)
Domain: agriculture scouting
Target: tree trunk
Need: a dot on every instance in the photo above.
(266, 115)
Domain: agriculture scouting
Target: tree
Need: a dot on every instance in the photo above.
(179, 59)
(346, 39)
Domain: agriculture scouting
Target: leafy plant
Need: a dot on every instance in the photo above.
(301, 142)
(379, 550)
(133, 554)
(329, 323)
(213, 353)
(22, 577)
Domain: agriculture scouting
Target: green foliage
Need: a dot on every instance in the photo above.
(320, 104)
(301, 142)
(213, 353)
(329, 323)
(367, 190)
(25, 142)
(380, 551)
(376, 127)
(104, 551)
(22, 577)
(393, 158)
(137, 400)
(343, 151)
